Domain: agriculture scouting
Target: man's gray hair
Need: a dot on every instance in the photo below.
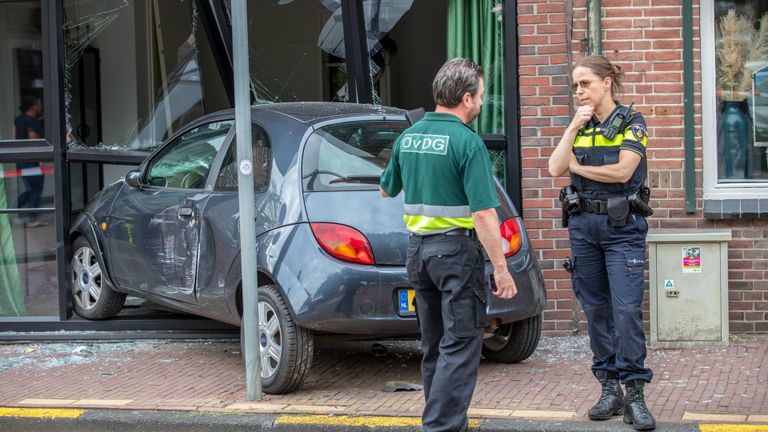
(455, 78)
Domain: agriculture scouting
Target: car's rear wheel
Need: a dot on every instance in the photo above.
(286, 349)
(92, 295)
(514, 342)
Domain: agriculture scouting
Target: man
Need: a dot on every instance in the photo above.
(28, 126)
(450, 200)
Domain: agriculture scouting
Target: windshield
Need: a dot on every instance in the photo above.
(349, 156)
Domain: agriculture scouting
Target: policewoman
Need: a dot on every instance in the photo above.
(450, 203)
(604, 149)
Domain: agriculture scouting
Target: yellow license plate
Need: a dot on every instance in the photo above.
(405, 300)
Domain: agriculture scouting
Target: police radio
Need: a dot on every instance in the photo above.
(618, 121)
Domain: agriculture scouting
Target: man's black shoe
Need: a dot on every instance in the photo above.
(635, 411)
(611, 402)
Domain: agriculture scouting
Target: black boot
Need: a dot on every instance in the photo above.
(611, 402)
(635, 411)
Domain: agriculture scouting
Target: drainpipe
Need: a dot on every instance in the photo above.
(594, 27)
(688, 143)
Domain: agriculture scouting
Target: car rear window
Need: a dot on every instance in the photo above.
(349, 156)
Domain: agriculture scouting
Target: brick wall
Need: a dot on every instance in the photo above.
(647, 42)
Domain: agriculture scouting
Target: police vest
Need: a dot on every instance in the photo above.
(594, 149)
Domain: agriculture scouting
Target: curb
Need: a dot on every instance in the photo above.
(73, 420)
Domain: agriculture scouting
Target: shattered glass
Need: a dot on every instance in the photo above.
(499, 165)
(150, 78)
(289, 54)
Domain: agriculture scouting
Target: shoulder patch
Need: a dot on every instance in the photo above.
(638, 131)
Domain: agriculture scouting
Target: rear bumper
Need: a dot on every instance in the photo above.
(345, 298)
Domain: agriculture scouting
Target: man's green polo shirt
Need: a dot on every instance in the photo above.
(445, 170)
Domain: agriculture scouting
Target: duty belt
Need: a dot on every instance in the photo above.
(594, 206)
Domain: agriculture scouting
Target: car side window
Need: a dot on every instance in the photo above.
(186, 162)
(262, 163)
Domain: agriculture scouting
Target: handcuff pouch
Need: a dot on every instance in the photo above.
(618, 211)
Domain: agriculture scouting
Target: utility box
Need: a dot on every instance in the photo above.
(688, 287)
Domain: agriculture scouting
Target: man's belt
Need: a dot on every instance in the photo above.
(460, 232)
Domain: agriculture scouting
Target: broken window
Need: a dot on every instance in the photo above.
(136, 71)
(293, 50)
(405, 54)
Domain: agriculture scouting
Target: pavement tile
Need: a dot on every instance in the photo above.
(47, 402)
(714, 417)
(102, 403)
(348, 378)
(543, 414)
(490, 413)
(256, 407)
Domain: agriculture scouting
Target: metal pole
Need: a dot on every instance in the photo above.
(250, 291)
(594, 27)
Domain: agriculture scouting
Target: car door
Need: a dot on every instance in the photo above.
(154, 230)
(220, 240)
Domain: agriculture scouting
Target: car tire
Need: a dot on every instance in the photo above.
(93, 297)
(286, 351)
(513, 342)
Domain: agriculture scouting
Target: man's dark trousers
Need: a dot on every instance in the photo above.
(448, 272)
(608, 280)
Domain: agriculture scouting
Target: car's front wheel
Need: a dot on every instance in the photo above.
(92, 295)
(513, 342)
(286, 349)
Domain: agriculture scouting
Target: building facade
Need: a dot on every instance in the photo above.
(117, 77)
(689, 69)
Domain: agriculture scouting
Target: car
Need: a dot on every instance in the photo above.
(330, 251)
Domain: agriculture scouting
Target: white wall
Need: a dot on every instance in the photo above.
(118, 76)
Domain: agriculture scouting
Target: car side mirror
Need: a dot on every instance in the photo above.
(132, 178)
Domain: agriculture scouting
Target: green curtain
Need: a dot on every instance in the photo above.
(11, 295)
(475, 32)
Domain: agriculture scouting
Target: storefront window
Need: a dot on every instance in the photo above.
(27, 241)
(21, 71)
(742, 90)
(292, 50)
(402, 69)
(136, 71)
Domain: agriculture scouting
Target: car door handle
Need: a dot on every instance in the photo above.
(185, 211)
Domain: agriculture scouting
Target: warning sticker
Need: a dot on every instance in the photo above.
(691, 260)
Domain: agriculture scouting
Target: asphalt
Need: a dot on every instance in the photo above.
(190, 386)
(184, 421)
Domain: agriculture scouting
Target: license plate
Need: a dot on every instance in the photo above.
(405, 300)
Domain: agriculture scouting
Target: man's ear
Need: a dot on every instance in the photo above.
(466, 100)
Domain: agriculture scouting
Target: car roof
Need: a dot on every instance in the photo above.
(316, 112)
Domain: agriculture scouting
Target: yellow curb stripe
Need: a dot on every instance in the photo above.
(732, 428)
(371, 421)
(41, 412)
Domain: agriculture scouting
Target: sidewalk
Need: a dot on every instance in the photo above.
(691, 386)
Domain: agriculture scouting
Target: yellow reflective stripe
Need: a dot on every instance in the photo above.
(601, 141)
(420, 224)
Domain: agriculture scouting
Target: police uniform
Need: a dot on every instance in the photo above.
(445, 171)
(609, 259)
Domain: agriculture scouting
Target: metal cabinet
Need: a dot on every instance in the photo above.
(688, 287)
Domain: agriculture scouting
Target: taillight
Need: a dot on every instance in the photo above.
(343, 242)
(511, 238)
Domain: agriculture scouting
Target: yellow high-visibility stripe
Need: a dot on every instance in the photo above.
(602, 141)
(732, 428)
(372, 421)
(419, 224)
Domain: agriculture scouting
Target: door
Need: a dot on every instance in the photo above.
(154, 230)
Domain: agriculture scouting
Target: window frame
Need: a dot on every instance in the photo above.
(231, 146)
(713, 188)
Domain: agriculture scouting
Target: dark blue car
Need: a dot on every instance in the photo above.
(331, 251)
